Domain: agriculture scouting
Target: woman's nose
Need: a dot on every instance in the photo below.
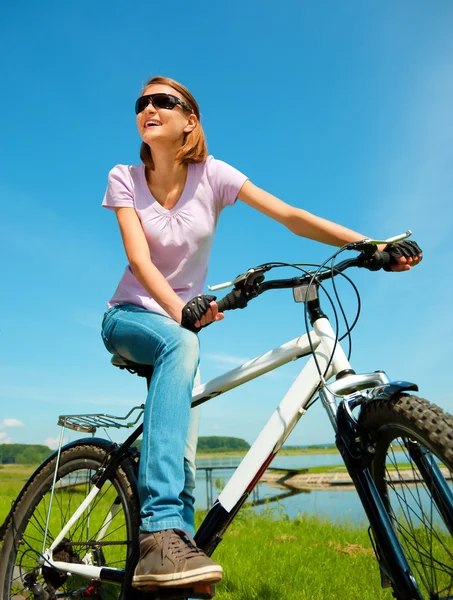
(150, 107)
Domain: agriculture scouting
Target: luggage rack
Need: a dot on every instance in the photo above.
(90, 422)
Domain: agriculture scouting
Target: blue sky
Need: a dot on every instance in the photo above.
(341, 108)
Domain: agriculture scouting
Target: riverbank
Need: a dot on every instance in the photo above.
(282, 452)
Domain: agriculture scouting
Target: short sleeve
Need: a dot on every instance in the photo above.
(120, 190)
(225, 180)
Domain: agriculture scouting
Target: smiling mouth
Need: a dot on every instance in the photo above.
(152, 124)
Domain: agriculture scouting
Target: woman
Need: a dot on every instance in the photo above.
(167, 209)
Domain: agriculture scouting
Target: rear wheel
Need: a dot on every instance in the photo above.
(413, 471)
(106, 534)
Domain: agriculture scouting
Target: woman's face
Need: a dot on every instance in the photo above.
(161, 124)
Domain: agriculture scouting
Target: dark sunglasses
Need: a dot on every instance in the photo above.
(167, 101)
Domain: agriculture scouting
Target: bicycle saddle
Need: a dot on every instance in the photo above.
(132, 367)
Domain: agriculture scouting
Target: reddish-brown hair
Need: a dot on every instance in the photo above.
(194, 148)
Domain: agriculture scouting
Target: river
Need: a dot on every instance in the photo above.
(331, 503)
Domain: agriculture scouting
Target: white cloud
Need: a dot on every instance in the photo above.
(52, 395)
(53, 443)
(216, 427)
(225, 360)
(11, 423)
(88, 318)
(4, 439)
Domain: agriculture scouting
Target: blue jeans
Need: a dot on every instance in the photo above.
(170, 428)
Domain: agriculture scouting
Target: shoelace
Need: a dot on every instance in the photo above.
(181, 547)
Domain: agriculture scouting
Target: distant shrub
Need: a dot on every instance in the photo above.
(216, 443)
(23, 454)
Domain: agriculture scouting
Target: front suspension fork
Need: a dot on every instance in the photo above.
(357, 451)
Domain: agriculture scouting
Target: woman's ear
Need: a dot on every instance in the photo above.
(191, 123)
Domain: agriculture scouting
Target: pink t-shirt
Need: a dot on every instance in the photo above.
(180, 239)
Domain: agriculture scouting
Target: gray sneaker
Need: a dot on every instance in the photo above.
(170, 558)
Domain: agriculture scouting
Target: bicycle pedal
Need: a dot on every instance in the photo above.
(204, 591)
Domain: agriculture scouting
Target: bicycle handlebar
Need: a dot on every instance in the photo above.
(253, 284)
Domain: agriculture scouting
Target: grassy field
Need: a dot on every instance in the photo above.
(12, 479)
(275, 558)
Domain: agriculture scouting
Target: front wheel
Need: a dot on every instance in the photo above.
(413, 472)
(106, 533)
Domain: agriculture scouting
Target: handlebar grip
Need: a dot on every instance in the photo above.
(231, 301)
(379, 260)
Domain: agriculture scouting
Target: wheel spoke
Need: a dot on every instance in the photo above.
(410, 510)
(417, 519)
(107, 516)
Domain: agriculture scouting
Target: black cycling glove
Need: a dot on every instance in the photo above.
(406, 248)
(194, 310)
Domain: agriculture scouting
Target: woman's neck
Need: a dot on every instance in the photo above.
(167, 172)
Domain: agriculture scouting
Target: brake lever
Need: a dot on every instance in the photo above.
(221, 286)
(368, 245)
(240, 278)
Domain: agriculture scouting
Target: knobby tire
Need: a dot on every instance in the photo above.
(395, 426)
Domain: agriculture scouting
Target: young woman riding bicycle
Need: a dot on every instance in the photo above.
(167, 209)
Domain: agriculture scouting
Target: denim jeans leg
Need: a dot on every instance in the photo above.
(190, 450)
(149, 338)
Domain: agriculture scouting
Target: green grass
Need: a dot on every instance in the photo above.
(311, 470)
(271, 558)
(12, 480)
(338, 469)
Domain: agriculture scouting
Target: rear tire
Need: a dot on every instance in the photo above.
(394, 425)
(23, 540)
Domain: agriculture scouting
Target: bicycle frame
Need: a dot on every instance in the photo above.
(279, 426)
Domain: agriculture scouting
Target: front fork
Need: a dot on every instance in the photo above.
(357, 451)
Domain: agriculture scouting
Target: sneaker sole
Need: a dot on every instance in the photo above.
(204, 575)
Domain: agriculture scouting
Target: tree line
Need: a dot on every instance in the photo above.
(29, 454)
(215, 443)
(23, 454)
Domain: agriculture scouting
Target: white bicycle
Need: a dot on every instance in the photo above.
(73, 530)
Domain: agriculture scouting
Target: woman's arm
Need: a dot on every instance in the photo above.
(147, 274)
(306, 224)
(297, 220)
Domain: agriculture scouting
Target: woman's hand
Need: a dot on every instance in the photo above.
(404, 255)
(200, 312)
(405, 264)
(211, 315)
